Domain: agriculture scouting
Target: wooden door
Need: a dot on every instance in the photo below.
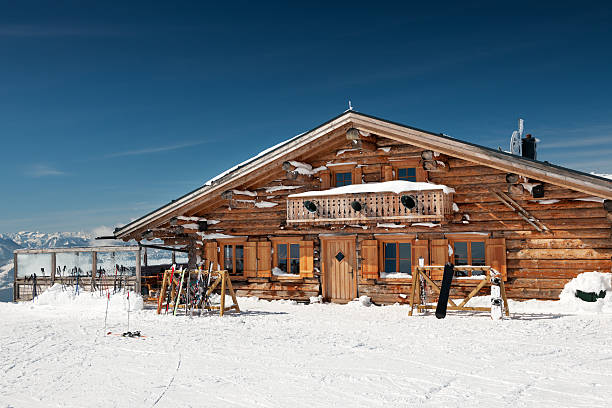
(339, 269)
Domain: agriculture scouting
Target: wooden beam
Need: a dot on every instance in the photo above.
(15, 276)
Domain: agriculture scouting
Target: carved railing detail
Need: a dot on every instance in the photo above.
(430, 205)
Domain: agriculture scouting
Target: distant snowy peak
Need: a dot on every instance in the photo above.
(608, 176)
(35, 239)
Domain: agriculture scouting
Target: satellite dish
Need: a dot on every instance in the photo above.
(515, 140)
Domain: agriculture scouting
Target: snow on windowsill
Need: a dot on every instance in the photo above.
(276, 271)
(395, 275)
(396, 186)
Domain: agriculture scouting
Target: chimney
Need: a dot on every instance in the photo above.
(529, 147)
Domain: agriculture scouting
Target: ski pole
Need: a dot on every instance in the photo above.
(107, 301)
(128, 299)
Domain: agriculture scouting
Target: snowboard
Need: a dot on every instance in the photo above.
(447, 279)
(496, 300)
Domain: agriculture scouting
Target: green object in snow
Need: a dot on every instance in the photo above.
(590, 296)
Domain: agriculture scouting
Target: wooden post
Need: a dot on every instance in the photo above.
(146, 258)
(223, 278)
(173, 257)
(137, 283)
(415, 278)
(94, 269)
(162, 291)
(53, 267)
(15, 277)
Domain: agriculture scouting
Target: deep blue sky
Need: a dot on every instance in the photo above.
(109, 110)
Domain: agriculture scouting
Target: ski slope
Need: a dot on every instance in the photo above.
(282, 354)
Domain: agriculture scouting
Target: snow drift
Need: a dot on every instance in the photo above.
(65, 297)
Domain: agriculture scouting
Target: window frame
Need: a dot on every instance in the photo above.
(419, 174)
(342, 169)
(233, 244)
(397, 170)
(276, 241)
(469, 241)
(381, 253)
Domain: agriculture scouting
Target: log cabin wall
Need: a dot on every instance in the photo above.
(538, 264)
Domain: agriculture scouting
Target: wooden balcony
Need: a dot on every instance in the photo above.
(416, 206)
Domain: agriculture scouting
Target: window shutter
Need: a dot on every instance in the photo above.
(306, 259)
(211, 253)
(495, 254)
(387, 173)
(421, 174)
(325, 179)
(369, 259)
(250, 259)
(420, 249)
(438, 256)
(357, 175)
(264, 256)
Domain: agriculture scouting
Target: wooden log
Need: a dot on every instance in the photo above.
(592, 264)
(548, 273)
(516, 189)
(561, 254)
(558, 243)
(435, 166)
(427, 155)
(364, 145)
(512, 178)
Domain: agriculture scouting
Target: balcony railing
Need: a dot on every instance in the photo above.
(409, 206)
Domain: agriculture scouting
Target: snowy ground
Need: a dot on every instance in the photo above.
(279, 354)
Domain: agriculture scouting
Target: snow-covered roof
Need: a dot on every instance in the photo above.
(290, 149)
(396, 186)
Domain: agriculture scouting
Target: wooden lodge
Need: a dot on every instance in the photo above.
(353, 206)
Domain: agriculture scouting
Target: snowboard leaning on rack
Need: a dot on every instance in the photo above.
(447, 279)
(496, 299)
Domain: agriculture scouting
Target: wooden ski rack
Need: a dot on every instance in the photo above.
(422, 272)
(171, 282)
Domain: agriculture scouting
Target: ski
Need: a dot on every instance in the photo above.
(178, 292)
(135, 334)
(447, 279)
(496, 301)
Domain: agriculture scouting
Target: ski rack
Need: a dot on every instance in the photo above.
(171, 282)
(416, 299)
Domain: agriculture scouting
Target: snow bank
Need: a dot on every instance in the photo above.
(588, 282)
(362, 301)
(397, 186)
(568, 303)
(65, 297)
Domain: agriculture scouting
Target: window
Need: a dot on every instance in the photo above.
(343, 179)
(469, 253)
(233, 259)
(407, 174)
(288, 258)
(397, 257)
